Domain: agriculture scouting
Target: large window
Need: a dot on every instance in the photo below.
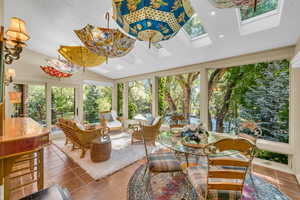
(95, 100)
(32, 102)
(180, 94)
(255, 92)
(62, 104)
(139, 98)
(37, 103)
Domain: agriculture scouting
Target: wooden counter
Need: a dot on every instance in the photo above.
(21, 135)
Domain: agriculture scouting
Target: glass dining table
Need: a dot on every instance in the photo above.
(173, 141)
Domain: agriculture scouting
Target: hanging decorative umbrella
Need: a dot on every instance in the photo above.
(63, 66)
(54, 72)
(235, 3)
(152, 20)
(81, 56)
(59, 68)
(105, 41)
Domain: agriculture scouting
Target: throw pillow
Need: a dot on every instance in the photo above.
(108, 117)
(79, 125)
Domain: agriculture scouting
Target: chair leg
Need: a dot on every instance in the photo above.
(148, 185)
(73, 147)
(82, 153)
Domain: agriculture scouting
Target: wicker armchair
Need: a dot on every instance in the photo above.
(116, 122)
(79, 138)
(150, 131)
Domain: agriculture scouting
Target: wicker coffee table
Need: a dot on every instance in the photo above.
(100, 149)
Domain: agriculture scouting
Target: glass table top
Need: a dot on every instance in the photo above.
(174, 141)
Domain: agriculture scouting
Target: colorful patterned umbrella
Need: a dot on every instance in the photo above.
(235, 3)
(80, 56)
(54, 72)
(105, 42)
(63, 66)
(152, 20)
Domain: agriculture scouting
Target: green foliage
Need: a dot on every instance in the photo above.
(63, 103)
(260, 93)
(120, 99)
(162, 104)
(37, 103)
(277, 157)
(264, 7)
(95, 100)
(139, 98)
(267, 102)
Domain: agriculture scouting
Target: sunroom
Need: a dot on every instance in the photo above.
(150, 99)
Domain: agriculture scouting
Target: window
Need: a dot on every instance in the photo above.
(255, 92)
(139, 98)
(62, 104)
(32, 104)
(37, 103)
(194, 28)
(262, 8)
(95, 100)
(180, 94)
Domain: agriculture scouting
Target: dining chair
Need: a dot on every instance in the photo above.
(158, 162)
(257, 133)
(178, 121)
(223, 176)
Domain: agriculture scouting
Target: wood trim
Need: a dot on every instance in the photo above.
(228, 162)
(228, 174)
(225, 186)
(262, 56)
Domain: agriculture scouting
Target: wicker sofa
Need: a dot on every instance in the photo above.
(79, 138)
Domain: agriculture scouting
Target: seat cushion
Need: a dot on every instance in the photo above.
(114, 124)
(163, 162)
(198, 178)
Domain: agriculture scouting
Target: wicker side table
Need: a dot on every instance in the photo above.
(100, 149)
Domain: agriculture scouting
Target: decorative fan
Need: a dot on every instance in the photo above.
(152, 20)
(81, 56)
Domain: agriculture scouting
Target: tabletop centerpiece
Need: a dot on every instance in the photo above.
(194, 135)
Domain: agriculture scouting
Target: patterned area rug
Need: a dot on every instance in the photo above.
(174, 187)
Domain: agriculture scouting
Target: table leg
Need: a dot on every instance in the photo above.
(187, 159)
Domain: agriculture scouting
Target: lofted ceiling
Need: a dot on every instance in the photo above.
(51, 24)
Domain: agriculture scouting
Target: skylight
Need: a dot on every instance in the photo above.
(194, 28)
(262, 8)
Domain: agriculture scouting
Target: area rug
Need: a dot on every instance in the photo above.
(174, 187)
(122, 155)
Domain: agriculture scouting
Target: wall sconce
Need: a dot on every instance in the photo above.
(16, 36)
(9, 75)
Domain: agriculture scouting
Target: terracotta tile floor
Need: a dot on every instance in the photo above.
(60, 169)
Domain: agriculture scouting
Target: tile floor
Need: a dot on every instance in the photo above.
(61, 170)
